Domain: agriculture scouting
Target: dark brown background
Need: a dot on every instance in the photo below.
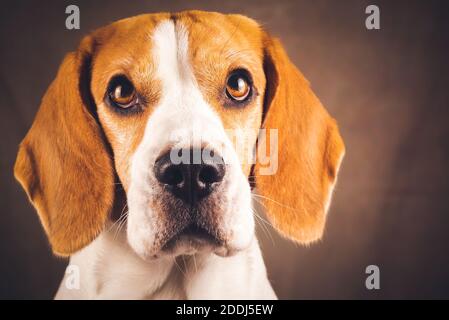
(388, 90)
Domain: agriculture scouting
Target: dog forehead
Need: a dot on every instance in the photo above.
(219, 31)
(215, 41)
(208, 32)
(219, 43)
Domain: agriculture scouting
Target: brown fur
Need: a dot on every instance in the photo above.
(310, 150)
(63, 163)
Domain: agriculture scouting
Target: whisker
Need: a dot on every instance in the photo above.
(121, 224)
(266, 224)
(256, 175)
(194, 263)
(279, 203)
(179, 268)
(262, 219)
(120, 221)
(115, 222)
(122, 211)
(264, 228)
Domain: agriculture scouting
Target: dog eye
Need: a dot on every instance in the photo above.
(238, 86)
(122, 93)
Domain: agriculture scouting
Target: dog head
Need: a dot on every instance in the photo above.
(184, 109)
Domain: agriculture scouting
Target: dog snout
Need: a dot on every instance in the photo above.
(188, 175)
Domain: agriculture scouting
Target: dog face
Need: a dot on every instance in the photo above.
(162, 101)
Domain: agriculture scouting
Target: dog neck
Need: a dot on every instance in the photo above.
(109, 269)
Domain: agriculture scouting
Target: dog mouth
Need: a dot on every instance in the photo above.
(193, 239)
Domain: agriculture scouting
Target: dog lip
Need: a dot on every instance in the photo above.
(194, 236)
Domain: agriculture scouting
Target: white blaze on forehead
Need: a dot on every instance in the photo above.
(170, 51)
(182, 118)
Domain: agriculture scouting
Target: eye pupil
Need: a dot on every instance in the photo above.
(237, 86)
(122, 93)
(236, 83)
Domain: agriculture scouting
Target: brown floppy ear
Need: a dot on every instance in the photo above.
(309, 152)
(63, 163)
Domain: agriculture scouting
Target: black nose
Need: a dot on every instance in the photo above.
(188, 174)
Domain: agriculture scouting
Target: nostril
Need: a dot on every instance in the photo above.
(168, 173)
(172, 175)
(210, 173)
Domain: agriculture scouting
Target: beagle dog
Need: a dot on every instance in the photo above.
(153, 105)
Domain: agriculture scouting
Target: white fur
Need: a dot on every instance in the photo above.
(182, 119)
(110, 269)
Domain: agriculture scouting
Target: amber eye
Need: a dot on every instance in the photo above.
(238, 85)
(122, 92)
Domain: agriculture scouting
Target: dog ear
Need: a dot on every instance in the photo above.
(63, 163)
(309, 150)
